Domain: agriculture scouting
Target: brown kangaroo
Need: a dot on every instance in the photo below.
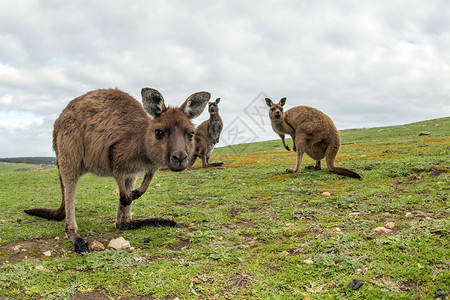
(109, 133)
(312, 132)
(207, 135)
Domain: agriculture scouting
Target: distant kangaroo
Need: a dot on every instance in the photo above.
(109, 133)
(312, 132)
(207, 135)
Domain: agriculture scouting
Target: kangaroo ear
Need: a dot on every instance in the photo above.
(195, 104)
(269, 102)
(217, 100)
(153, 102)
(282, 101)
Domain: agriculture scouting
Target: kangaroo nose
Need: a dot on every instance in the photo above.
(179, 157)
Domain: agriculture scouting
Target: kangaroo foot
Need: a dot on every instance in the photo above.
(213, 165)
(292, 171)
(80, 246)
(154, 222)
(313, 168)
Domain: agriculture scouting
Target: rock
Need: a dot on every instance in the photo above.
(355, 284)
(424, 133)
(158, 185)
(389, 225)
(354, 214)
(47, 253)
(119, 244)
(2, 221)
(413, 176)
(327, 194)
(16, 249)
(116, 192)
(440, 294)
(382, 230)
(308, 261)
(96, 246)
(408, 214)
(40, 268)
(234, 212)
(339, 260)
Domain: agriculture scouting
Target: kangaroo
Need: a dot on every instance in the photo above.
(207, 135)
(312, 132)
(109, 133)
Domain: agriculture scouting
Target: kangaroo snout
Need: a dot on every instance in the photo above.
(277, 114)
(178, 161)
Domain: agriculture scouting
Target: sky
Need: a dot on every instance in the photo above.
(363, 63)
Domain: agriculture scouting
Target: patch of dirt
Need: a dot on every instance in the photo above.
(16, 252)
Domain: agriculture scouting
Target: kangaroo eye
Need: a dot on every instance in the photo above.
(159, 134)
(190, 135)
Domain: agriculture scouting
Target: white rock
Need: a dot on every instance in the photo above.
(308, 261)
(47, 253)
(96, 246)
(389, 225)
(382, 230)
(328, 194)
(119, 244)
(40, 268)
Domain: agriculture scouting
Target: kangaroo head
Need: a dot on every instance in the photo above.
(213, 107)
(276, 110)
(169, 139)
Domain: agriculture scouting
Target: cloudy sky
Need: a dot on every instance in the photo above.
(364, 63)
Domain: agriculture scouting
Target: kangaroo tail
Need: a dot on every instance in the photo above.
(57, 214)
(346, 172)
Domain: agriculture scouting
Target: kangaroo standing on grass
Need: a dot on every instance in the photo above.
(207, 135)
(109, 133)
(312, 132)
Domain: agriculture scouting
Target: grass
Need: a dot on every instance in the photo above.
(251, 230)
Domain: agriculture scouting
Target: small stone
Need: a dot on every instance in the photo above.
(424, 133)
(382, 230)
(119, 244)
(47, 253)
(414, 175)
(234, 212)
(2, 221)
(389, 225)
(440, 294)
(116, 192)
(57, 238)
(308, 261)
(96, 246)
(40, 268)
(327, 194)
(355, 284)
(355, 214)
(16, 249)
(408, 214)
(339, 260)
(158, 185)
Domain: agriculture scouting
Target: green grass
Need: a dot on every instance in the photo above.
(249, 227)
(16, 167)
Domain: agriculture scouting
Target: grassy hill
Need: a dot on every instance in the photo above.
(251, 231)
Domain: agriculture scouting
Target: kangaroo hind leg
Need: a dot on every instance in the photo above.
(124, 220)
